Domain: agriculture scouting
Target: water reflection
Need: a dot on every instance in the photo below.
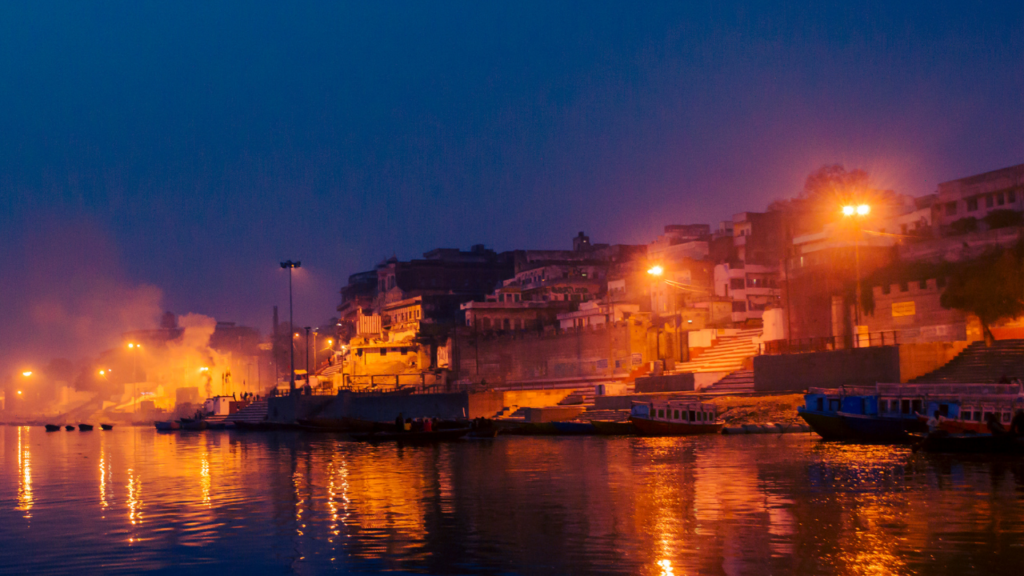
(24, 472)
(217, 502)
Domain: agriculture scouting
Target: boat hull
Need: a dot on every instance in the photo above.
(574, 428)
(85, 427)
(412, 437)
(865, 428)
(610, 428)
(166, 426)
(971, 444)
(106, 426)
(648, 427)
(52, 428)
(828, 426)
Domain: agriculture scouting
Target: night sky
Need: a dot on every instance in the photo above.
(168, 155)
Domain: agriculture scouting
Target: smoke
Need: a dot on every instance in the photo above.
(66, 294)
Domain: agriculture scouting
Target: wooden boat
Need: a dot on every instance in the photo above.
(85, 427)
(942, 442)
(166, 425)
(192, 424)
(574, 428)
(69, 428)
(612, 428)
(52, 428)
(873, 428)
(412, 437)
(341, 425)
(482, 433)
(106, 426)
(675, 418)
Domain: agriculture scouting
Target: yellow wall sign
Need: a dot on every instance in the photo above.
(903, 309)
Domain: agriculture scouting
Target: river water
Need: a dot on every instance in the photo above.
(134, 500)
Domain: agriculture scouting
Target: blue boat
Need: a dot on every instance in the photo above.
(574, 428)
(823, 406)
(874, 428)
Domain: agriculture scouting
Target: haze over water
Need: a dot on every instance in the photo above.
(133, 500)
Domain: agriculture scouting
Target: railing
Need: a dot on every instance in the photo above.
(827, 343)
(421, 383)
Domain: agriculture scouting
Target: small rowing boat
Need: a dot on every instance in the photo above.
(85, 427)
(52, 428)
(106, 426)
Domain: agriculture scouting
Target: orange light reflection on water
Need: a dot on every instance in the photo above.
(24, 473)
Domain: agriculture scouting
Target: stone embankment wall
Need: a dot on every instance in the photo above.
(851, 367)
(511, 358)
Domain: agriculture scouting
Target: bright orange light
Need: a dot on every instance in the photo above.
(330, 342)
(26, 373)
(204, 369)
(296, 334)
(849, 210)
(863, 210)
(102, 372)
(656, 270)
(19, 392)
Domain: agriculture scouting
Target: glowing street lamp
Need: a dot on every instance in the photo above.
(26, 373)
(656, 270)
(857, 212)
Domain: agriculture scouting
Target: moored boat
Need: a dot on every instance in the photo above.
(412, 437)
(874, 428)
(69, 428)
(106, 426)
(969, 443)
(166, 425)
(675, 418)
(85, 427)
(574, 428)
(52, 428)
(612, 428)
(192, 424)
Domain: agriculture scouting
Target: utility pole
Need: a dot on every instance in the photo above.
(307, 355)
(291, 318)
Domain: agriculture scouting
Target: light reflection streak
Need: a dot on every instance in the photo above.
(134, 498)
(204, 478)
(666, 567)
(24, 473)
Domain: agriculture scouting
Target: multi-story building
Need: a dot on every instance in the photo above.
(975, 197)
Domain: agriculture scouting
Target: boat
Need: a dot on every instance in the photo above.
(675, 418)
(969, 443)
(69, 428)
(52, 428)
(166, 425)
(570, 428)
(613, 428)
(874, 428)
(822, 407)
(106, 426)
(85, 427)
(192, 424)
(340, 425)
(481, 433)
(412, 437)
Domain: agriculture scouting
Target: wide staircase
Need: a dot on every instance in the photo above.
(251, 414)
(980, 364)
(737, 382)
(728, 354)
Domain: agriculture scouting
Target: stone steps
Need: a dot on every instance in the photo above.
(255, 412)
(738, 381)
(980, 364)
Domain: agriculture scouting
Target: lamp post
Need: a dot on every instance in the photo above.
(307, 355)
(135, 377)
(291, 320)
(857, 213)
(655, 272)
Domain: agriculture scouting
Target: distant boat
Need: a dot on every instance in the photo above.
(52, 428)
(106, 426)
(574, 428)
(412, 437)
(612, 428)
(85, 427)
(675, 418)
(192, 424)
(166, 426)
(69, 428)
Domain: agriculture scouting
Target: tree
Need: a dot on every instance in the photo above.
(825, 191)
(990, 287)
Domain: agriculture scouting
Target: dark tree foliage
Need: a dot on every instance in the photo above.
(1003, 219)
(964, 225)
(990, 287)
(825, 191)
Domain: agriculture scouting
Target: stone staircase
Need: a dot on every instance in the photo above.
(736, 382)
(980, 364)
(727, 355)
(251, 414)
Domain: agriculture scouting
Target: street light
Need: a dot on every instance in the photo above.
(291, 319)
(857, 212)
(26, 373)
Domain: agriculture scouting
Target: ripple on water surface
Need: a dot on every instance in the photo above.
(133, 500)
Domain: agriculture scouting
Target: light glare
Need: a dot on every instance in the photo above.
(656, 271)
(848, 210)
(863, 210)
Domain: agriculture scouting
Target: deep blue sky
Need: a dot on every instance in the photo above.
(191, 146)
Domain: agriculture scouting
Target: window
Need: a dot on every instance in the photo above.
(661, 413)
(820, 404)
(737, 284)
(676, 415)
(1011, 196)
(506, 324)
(917, 406)
(383, 351)
(403, 351)
(977, 415)
(950, 208)
(905, 407)
(692, 416)
(1000, 200)
(883, 406)
(972, 204)
(739, 306)
(988, 201)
